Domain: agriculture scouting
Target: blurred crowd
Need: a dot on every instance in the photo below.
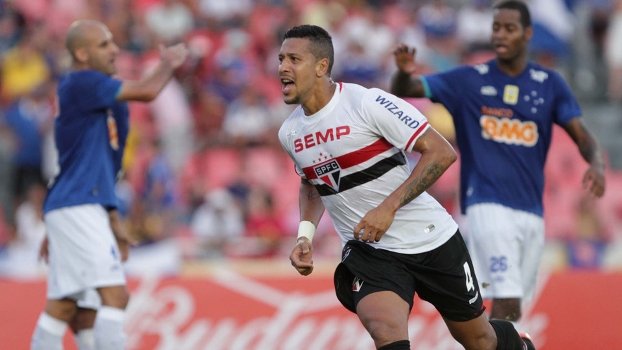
(205, 177)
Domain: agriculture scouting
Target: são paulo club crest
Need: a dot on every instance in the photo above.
(329, 173)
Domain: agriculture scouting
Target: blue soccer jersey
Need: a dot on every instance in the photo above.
(503, 129)
(90, 132)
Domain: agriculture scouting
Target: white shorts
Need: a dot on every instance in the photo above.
(83, 252)
(505, 245)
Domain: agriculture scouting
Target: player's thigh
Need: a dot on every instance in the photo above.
(473, 334)
(61, 309)
(115, 296)
(384, 314)
(445, 279)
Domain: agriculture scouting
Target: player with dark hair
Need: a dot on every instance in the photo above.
(348, 144)
(504, 111)
(86, 239)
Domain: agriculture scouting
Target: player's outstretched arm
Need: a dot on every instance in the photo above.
(311, 210)
(594, 178)
(403, 83)
(149, 87)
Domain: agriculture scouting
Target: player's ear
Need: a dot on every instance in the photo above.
(81, 54)
(528, 33)
(321, 67)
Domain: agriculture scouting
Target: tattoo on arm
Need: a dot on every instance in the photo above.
(428, 176)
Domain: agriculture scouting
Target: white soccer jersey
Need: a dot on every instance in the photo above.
(352, 151)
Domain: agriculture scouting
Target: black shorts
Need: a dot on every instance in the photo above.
(443, 276)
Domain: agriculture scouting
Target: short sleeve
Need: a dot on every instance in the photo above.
(441, 87)
(396, 120)
(567, 106)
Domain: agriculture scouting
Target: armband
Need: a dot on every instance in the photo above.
(306, 229)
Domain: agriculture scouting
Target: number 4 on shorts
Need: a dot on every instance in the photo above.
(469, 279)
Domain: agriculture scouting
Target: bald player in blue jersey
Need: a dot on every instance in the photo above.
(86, 240)
(504, 111)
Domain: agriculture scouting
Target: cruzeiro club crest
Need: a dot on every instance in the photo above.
(329, 173)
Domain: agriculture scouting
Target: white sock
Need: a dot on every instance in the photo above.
(48, 333)
(108, 330)
(85, 339)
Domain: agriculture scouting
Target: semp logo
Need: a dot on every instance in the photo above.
(329, 173)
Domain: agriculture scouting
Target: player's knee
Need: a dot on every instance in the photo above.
(506, 309)
(63, 310)
(383, 332)
(117, 296)
(481, 339)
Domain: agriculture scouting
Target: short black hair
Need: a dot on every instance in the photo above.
(525, 16)
(321, 42)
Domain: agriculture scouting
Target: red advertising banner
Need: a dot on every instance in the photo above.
(229, 310)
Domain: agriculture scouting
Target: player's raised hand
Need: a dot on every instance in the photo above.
(302, 256)
(594, 181)
(405, 58)
(174, 55)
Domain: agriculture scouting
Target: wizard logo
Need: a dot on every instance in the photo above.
(329, 173)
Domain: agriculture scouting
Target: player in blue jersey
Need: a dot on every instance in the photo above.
(86, 240)
(83, 321)
(503, 112)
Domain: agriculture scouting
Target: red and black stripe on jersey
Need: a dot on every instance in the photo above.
(355, 158)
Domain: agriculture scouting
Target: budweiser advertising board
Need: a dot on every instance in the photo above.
(268, 306)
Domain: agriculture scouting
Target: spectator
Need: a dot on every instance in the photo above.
(174, 122)
(474, 23)
(247, 119)
(20, 258)
(613, 54)
(552, 31)
(23, 69)
(217, 223)
(11, 27)
(587, 250)
(222, 14)
(170, 20)
(264, 230)
(30, 118)
(439, 23)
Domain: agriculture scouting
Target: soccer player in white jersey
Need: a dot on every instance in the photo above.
(348, 144)
(86, 240)
(504, 111)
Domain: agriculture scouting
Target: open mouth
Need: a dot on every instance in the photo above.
(286, 85)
